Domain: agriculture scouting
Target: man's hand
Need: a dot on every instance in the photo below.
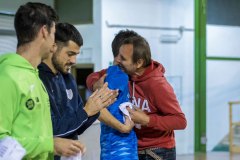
(100, 99)
(138, 116)
(99, 83)
(67, 147)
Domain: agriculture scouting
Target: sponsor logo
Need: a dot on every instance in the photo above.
(30, 104)
(69, 94)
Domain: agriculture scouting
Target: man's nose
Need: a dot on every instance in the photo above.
(73, 59)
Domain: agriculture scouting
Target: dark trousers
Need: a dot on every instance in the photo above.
(157, 154)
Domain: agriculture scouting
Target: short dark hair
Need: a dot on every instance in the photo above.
(141, 49)
(118, 39)
(29, 18)
(66, 32)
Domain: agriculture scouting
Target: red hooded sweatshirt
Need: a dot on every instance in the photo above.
(155, 96)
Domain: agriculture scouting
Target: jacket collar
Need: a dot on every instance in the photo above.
(44, 67)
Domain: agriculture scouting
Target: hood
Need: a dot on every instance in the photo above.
(43, 67)
(13, 59)
(154, 70)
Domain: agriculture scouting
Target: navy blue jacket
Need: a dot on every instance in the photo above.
(69, 119)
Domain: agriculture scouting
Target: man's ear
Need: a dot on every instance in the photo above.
(140, 63)
(54, 48)
(44, 31)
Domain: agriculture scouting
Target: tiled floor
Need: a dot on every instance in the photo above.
(210, 156)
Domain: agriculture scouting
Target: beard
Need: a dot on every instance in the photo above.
(128, 70)
(123, 68)
(59, 66)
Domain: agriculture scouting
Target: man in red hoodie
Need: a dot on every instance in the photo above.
(157, 110)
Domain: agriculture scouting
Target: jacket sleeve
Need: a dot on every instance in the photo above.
(171, 116)
(94, 77)
(8, 106)
(70, 122)
(90, 121)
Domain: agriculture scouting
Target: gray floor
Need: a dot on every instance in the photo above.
(210, 156)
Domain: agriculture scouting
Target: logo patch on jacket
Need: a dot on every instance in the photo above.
(69, 93)
(30, 104)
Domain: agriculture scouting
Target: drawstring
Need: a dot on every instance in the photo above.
(133, 90)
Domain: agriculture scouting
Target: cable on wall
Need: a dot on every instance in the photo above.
(166, 38)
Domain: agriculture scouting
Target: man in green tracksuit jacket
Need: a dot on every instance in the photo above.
(24, 106)
(24, 103)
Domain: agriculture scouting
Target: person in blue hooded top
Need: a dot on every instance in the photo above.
(114, 144)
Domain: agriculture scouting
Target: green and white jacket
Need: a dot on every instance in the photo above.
(24, 107)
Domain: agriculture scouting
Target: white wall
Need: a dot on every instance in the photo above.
(92, 35)
(8, 43)
(222, 80)
(159, 13)
(223, 41)
(177, 58)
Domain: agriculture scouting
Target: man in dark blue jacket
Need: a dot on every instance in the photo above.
(70, 117)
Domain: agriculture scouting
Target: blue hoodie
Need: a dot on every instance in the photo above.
(114, 144)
